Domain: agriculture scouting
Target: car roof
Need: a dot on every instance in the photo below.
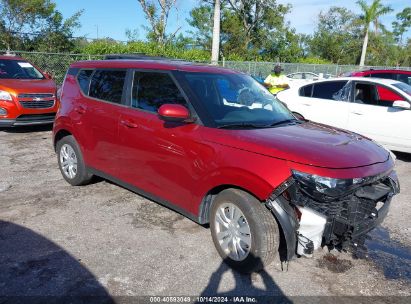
(382, 81)
(166, 65)
(10, 57)
(382, 71)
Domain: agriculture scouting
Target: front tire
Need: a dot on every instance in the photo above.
(244, 231)
(71, 162)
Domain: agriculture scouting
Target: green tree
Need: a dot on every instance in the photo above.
(56, 35)
(370, 13)
(21, 16)
(402, 24)
(201, 20)
(336, 37)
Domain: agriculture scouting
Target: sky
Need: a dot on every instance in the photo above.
(108, 18)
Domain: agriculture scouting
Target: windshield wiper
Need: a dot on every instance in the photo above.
(286, 121)
(242, 125)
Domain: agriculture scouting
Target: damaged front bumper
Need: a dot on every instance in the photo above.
(311, 219)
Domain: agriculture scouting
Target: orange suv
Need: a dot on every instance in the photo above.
(27, 95)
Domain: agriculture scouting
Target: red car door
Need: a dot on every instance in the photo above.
(155, 156)
(99, 112)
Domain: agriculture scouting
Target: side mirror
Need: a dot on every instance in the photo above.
(173, 112)
(401, 104)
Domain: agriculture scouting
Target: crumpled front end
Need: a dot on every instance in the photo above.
(331, 212)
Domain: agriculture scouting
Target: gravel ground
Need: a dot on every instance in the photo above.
(101, 239)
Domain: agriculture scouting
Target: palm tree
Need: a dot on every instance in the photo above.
(370, 14)
(216, 33)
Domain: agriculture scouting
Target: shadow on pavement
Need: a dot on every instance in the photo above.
(35, 270)
(244, 286)
(403, 156)
(28, 129)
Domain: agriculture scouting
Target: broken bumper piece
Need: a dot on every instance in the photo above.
(337, 221)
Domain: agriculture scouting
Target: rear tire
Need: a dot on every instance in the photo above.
(244, 231)
(71, 162)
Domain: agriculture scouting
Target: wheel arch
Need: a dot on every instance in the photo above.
(59, 135)
(280, 212)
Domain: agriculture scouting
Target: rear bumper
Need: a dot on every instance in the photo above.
(28, 120)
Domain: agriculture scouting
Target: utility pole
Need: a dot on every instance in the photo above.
(215, 50)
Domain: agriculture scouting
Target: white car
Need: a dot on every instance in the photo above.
(376, 108)
(300, 78)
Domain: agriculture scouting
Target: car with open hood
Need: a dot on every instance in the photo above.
(27, 94)
(216, 146)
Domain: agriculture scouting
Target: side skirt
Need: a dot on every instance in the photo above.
(148, 195)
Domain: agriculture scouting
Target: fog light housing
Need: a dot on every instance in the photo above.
(3, 112)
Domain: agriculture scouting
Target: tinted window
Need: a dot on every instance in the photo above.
(306, 91)
(83, 78)
(108, 85)
(326, 90)
(404, 78)
(365, 94)
(152, 90)
(384, 75)
(13, 69)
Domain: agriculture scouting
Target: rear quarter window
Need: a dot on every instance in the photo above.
(83, 79)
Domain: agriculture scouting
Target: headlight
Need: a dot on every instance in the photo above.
(4, 95)
(333, 187)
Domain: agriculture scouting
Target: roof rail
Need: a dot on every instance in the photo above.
(137, 56)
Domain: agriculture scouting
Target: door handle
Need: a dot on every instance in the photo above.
(129, 124)
(306, 104)
(357, 113)
(80, 110)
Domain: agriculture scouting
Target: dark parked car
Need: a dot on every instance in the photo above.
(216, 146)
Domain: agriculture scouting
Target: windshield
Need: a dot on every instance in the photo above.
(17, 69)
(237, 99)
(403, 87)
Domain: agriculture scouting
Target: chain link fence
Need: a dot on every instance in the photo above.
(262, 69)
(57, 64)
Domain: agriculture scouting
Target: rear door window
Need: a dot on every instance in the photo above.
(326, 90)
(151, 90)
(108, 85)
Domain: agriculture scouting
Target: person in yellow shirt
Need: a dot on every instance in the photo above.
(276, 82)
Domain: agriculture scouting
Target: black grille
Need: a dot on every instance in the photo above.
(35, 117)
(41, 104)
(36, 95)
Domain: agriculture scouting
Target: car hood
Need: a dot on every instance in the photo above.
(306, 143)
(28, 85)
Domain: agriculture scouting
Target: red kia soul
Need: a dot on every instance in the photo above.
(217, 147)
